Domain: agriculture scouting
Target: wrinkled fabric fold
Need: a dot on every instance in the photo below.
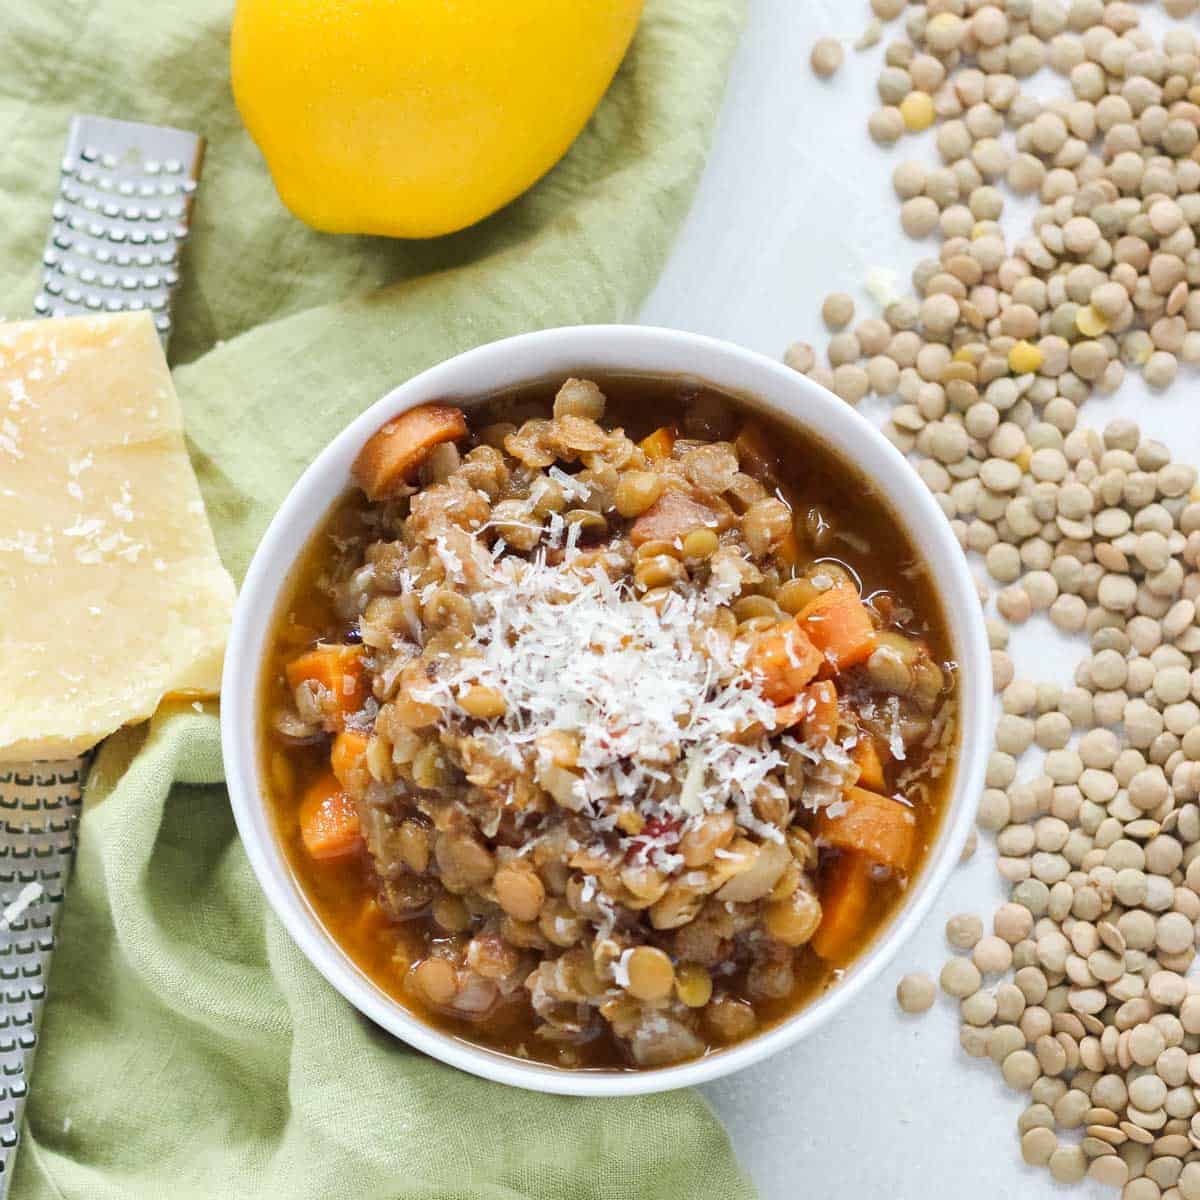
(188, 1049)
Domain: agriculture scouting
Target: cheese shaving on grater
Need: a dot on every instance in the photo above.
(112, 595)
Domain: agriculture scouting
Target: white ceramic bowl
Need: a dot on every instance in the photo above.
(554, 354)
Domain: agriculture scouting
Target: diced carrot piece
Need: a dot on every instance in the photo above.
(752, 731)
(839, 625)
(659, 444)
(329, 825)
(348, 755)
(845, 902)
(788, 716)
(328, 664)
(674, 515)
(881, 829)
(869, 761)
(821, 718)
(339, 671)
(393, 455)
(783, 661)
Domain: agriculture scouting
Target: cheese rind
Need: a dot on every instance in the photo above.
(111, 591)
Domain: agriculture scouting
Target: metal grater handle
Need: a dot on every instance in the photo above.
(119, 223)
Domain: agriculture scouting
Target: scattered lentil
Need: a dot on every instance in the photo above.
(992, 361)
(916, 993)
(917, 110)
(963, 931)
(992, 955)
(838, 311)
(827, 57)
(960, 978)
(1020, 1070)
(1038, 1145)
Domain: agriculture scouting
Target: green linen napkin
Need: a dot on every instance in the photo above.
(188, 1048)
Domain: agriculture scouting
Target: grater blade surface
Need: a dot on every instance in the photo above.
(120, 220)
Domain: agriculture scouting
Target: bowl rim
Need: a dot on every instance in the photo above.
(614, 350)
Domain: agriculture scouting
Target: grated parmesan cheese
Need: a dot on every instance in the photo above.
(31, 893)
(620, 969)
(654, 699)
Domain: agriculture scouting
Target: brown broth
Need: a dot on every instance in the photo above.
(878, 551)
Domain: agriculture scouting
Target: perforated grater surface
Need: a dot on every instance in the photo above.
(119, 224)
(120, 220)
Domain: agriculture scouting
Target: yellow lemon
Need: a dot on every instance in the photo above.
(413, 118)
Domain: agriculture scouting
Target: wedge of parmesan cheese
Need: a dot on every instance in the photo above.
(111, 592)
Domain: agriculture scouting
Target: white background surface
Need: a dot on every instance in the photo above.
(797, 202)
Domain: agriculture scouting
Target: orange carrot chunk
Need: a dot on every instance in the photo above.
(393, 455)
(839, 625)
(329, 826)
(338, 670)
(882, 830)
(845, 904)
(869, 761)
(658, 445)
(788, 716)
(783, 660)
(821, 718)
(348, 755)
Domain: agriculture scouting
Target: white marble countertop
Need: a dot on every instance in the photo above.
(797, 202)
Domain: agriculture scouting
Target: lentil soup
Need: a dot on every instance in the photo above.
(605, 724)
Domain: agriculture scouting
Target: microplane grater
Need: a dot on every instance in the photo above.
(120, 220)
(119, 223)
